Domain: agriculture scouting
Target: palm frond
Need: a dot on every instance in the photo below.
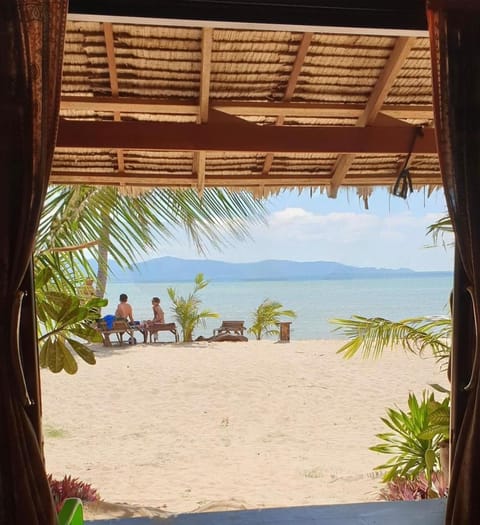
(373, 335)
(441, 229)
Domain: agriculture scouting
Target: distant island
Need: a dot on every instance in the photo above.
(171, 269)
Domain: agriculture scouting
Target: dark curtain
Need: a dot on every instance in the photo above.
(31, 53)
(454, 28)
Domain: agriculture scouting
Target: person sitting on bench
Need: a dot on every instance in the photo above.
(158, 316)
(158, 313)
(124, 310)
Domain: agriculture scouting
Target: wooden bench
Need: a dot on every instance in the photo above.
(152, 328)
(119, 328)
(230, 327)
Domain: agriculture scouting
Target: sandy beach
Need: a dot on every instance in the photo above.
(210, 426)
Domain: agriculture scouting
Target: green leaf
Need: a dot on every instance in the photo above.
(430, 460)
(55, 356)
(84, 352)
(69, 364)
(374, 335)
(43, 356)
(440, 388)
(51, 311)
(413, 449)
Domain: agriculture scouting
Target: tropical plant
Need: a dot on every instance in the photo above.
(64, 322)
(372, 335)
(82, 224)
(413, 452)
(267, 317)
(187, 311)
(69, 487)
(438, 416)
(104, 221)
(415, 436)
(64, 319)
(442, 230)
(403, 489)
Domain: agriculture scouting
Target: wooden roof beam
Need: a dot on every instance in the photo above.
(112, 73)
(400, 52)
(221, 137)
(247, 109)
(199, 157)
(168, 180)
(292, 83)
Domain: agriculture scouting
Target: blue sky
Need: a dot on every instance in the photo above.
(390, 234)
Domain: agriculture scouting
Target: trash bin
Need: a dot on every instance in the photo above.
(284, 332)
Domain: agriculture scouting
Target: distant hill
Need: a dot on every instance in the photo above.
(175, 270)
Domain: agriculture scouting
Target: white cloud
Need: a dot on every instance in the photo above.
(336, 227)
(358, 238)
(363, 239)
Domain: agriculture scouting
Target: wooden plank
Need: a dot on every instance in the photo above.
(291, 85)
(297, 65)
(383, 85)
(169, 180)
(168, 136)
(199, 164)
(247, 109)
(205, 73)
(199, 157)
(112, 66)
(392, 68)
(112, 74)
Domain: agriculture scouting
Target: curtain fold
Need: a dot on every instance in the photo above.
(454, 29)
(31, 54)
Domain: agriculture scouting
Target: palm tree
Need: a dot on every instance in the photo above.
(108, 223)
(267, 317)
(83, 224)
(373, 335)
(187, 309)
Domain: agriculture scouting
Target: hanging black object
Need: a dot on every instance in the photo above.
(403, 185)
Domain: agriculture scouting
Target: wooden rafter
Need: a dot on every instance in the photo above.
(246, 109)
(400, 52)
(112, 73)
(224, 137)
(199, 157)
(169, 180)
(291, 85)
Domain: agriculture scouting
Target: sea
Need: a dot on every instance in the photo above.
(315, 303)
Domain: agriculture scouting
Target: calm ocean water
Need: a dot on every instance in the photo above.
(315, 302)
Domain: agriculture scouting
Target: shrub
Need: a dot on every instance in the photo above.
(267, 317)
(69, 487)
(187, 311)
(403, 489)
(412, 454)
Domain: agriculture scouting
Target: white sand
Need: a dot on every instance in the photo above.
(226, 425)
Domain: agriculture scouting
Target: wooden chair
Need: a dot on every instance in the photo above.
(119, 328)
(230, 327)
(152, 328)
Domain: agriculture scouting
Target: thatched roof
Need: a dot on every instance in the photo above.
(148, 105)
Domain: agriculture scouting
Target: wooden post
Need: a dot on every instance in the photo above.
(284, 332)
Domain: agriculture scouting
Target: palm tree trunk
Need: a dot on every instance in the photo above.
(102, 262)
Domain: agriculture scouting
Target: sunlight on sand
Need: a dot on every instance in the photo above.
(198, 427)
